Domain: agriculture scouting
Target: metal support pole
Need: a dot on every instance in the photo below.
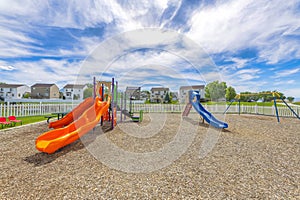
(130, 106)
(102, 96)
(121, 107)
(94, 89)
(125, 102)
(290, 108)
(278, 120)
(112, 102)
(228, 107)
(116, 100)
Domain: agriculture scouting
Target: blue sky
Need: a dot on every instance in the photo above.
(253, 45)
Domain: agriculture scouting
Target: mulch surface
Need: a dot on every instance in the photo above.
(256, 157)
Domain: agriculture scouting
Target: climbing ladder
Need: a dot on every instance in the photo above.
(187, 110)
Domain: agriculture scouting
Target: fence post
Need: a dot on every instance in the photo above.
(8, 109)
(41, 108)
(242, 110)
(17, 110)
(13, 109)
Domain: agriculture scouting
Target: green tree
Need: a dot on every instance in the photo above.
(61, 95)
(26, 95)
(215, 90)
(290, 99)
(230, 93)
(88, 93)
(167, 98)
(75, 97)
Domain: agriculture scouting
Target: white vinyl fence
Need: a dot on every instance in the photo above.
(20, 110)
(44, 109)
(258, 110)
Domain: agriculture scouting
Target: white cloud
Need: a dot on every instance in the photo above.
(291, 92)
(126, 15)
(46, 71)
(285, 73)
(226, 26)
(238, 24)
(117, 17)
(247, 71)
(7, 67)
(277, 83)
(240, 63)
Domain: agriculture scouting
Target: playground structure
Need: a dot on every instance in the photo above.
(194, 101)
(275, 96)
(80, 120)
(83, 118)
(129, 113)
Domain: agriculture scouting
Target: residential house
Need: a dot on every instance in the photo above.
(133, 92)
(184, 92)
(72, 91)
(158, 94)
(13, 91)
(145, 95)
(174, 96)
(44, 91)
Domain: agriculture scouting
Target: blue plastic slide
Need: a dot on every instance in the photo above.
(203, 112)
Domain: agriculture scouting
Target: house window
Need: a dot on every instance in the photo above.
(12, 94)
(33, 88)
(19, 95)
(10, 89)
(1, 89)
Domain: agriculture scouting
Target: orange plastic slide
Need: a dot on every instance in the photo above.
(73, 115)
(53, 140)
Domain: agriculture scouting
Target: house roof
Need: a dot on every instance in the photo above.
(10, 85)
(191, 87)
(43, 85)
(132, 89)
(160, 89)
(74, 86)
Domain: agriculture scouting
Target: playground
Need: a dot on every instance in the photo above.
(254, 157)
(218, 156)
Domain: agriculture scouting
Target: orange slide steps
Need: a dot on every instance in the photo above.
(53, 140)
(73, 115)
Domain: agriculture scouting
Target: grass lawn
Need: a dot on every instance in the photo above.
(28, 120)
